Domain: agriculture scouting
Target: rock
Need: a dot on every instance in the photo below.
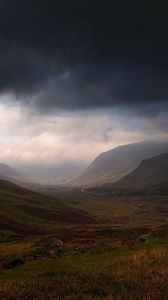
(53, 242)
(78, 250)
(142, 239)
(52, 253)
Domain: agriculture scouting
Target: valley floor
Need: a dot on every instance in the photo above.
(119, 252)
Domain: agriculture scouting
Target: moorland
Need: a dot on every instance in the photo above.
(80, 245)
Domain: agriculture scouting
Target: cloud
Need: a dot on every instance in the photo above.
(81, 55)
(56, 146)
(78, 78)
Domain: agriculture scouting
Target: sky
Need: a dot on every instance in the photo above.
(78, 78)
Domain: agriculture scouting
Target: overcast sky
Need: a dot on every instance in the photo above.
(78, 78)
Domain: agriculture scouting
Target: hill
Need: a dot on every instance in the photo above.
(24, 211)
(112, 165)
(151, 176)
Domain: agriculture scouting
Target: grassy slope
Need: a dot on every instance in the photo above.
(103, 270)
(108, 267)
(25, 211)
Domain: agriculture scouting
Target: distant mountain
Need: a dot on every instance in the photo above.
(151, 176)
(11, 173)
(112, 165)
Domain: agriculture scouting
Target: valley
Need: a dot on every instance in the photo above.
(68, 242)
(99, 249)
(83, 150)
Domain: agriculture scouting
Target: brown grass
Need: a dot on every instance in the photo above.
(133, 275)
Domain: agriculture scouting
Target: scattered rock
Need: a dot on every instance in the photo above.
(43, 255)
(142, 239)
(52, 253)
(78, 250)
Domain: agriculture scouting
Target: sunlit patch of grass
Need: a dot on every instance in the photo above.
(100, 273)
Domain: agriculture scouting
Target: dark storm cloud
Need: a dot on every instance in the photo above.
(83, 54)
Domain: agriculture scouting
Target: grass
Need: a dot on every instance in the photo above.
(99, 258)
(102, 271)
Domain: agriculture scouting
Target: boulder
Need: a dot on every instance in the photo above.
(53, 242)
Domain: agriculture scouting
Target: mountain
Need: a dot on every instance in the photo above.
(12, 174)
(151, 176)
(112, 165)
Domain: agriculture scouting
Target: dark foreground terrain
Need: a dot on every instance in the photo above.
(77, 245)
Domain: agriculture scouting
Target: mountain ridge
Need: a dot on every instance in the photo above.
(150, 177)
(112, 165)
